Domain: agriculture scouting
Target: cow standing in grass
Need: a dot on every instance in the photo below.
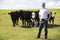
(28, 18)
(14, 17)
(25, 18)
(33, 18)
(52, 18)
(22, 17)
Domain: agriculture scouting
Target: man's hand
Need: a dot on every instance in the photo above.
(48, 19)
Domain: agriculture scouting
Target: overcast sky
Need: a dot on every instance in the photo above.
(26, 4)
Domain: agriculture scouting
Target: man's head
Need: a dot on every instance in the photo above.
(43, 5)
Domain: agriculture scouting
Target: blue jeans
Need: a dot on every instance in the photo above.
(44, 24)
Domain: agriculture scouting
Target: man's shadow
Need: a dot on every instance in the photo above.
(52, 26)
(49, 26)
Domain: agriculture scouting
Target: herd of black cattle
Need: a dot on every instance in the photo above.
(25, 17)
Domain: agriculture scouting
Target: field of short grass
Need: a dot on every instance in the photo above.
(8, 32)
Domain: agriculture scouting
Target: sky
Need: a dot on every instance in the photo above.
(28, 4)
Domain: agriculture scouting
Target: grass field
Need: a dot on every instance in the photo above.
(8, 32)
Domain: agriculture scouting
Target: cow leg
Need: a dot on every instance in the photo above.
(17, 21)
(53, 21)
(27, 22)
(22, 22)
(30, 23)
(50, 21)
(13, 22)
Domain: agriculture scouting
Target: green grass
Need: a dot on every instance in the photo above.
(8, 32)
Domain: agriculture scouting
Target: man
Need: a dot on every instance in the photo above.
(43, 16)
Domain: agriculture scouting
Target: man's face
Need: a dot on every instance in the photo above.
(43, 5)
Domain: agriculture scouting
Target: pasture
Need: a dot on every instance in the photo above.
(8, 32)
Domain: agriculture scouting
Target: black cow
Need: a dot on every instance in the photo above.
(22, 17)
(14, 17)
(28, 18)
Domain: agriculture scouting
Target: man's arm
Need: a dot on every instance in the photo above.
(49, 16)
(39, 14)
(39, 17)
